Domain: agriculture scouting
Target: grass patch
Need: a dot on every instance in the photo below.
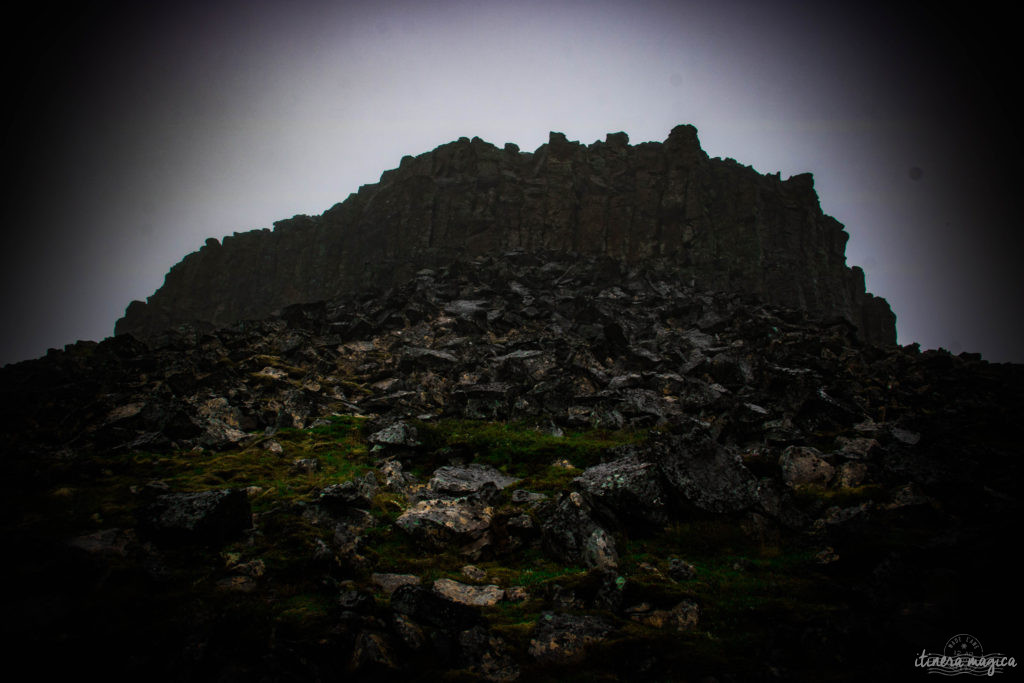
(530, 569)
(107, 489)
(519, 449)
(342, 427)
(304, 606)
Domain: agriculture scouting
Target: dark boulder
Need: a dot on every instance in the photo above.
(200, 517)
(626, 490)
(702, 473)
(353, 493)
(442, 523)
(455, 481)
(428, 608)
(570, 534)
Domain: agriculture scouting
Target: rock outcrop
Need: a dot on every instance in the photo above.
(721, 225)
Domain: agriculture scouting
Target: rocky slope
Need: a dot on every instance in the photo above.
(522, 467)
(725, 226)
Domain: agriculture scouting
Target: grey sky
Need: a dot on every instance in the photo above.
(140, 132)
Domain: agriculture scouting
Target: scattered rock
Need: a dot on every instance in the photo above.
(682, 617)
(373, 653)
(487, 655)
(852, 474)
(907, 495)
(411, 635)
(857, 447)
(804, 466)
(565, 638)
(520, 497)
(347, 494)
(253, 568)
(238, 584)
(355, 601)
(106, 542)
(681, 570)
(395, 434)
(836, 516)
(517, 594)
(827, 555)
(394, 477)
(306, 465)
(905, 436)
(599, 550)
(391, 582)
(474, 573)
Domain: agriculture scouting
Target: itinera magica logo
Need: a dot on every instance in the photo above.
(963, 654)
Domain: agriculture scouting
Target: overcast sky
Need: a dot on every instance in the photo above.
(136, 132)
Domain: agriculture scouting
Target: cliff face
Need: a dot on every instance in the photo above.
(720, 225)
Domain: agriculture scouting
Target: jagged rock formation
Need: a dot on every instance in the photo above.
(507, 469)
(721, 225)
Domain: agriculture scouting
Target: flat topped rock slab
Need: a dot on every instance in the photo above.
(440, 522)
(479, 596)
(455, 480)
(467, 307)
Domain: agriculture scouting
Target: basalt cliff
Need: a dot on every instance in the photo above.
(672, 449)
(721, 225)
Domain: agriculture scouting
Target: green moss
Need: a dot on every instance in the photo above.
(342, 427)
(843, 496)
(338, 447)
(528, 567)
(515, 621)
(520, 449)
(543, 573)
(702, 537)
(553, 478)
(304, 606)
(387, 506)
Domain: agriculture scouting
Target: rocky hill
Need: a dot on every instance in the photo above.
(523, 466)
(723, 225)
